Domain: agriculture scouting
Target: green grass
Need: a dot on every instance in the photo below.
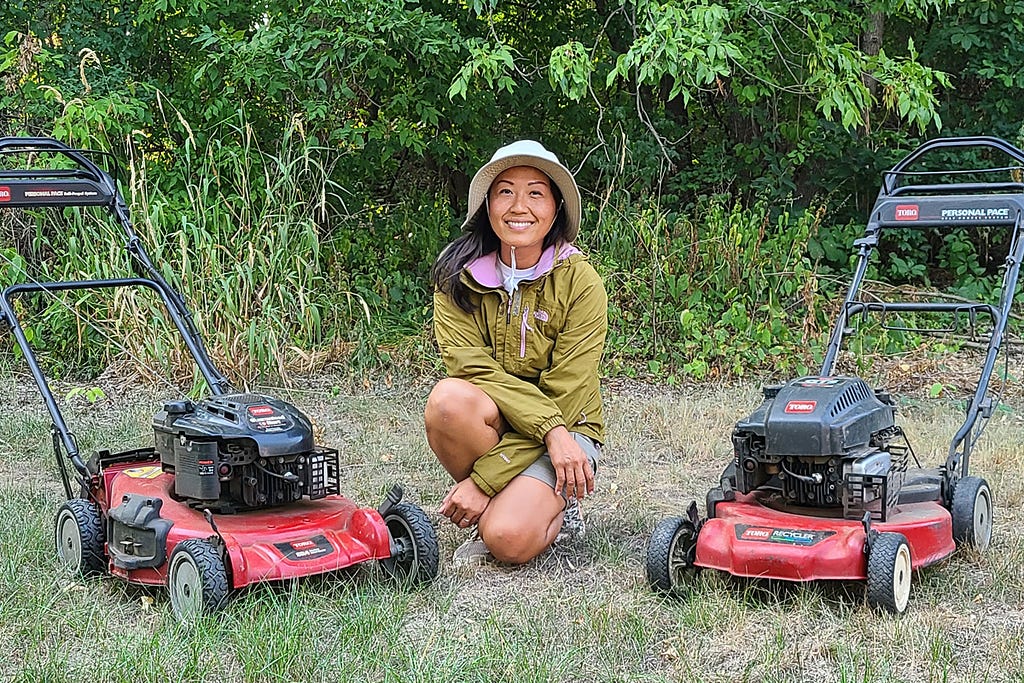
(582, 612)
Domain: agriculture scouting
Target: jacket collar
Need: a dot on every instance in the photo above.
(484, 270)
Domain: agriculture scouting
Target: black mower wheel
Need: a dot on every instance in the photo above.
(889, 573)
(670, 555)
(416, 555)
(197, 580)
(972, 513)
(79, 538)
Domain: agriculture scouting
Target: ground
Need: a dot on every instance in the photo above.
(581, 612)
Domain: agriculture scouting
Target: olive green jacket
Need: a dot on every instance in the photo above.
(536, 354)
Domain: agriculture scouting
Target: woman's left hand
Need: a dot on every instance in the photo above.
(573, 472)
(465, 503)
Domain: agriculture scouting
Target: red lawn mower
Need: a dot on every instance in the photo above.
(234, 491)
(821, 484)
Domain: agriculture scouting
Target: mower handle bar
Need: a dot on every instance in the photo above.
(972, 308)
(87, 170)
(8, 314)
(118, 208)
(953, 188)
(19, 145)
(892, 177)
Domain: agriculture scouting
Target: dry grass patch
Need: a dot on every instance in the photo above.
(581, 612)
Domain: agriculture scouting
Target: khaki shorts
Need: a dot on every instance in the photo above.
(542, 469)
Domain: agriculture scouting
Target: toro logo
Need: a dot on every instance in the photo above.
(308, 549)
(906, 212)
(801, 406)
(5, 194)
(756, 533)
(767, 534)
(260, 411)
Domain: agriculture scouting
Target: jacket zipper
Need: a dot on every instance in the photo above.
(523, 329)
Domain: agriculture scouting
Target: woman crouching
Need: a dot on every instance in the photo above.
(520, 318)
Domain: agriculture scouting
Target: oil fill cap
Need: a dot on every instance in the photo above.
(178, 407)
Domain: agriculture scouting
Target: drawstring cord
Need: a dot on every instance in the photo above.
(510, 286)
(510, 278)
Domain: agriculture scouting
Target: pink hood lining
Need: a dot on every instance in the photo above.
(484, 270)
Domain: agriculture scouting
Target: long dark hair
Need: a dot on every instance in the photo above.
(477, 241)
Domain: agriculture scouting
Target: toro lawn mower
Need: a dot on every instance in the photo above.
(234, 491)
(821, 485)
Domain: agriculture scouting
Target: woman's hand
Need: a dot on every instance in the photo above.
(573, 471)
(465, 503)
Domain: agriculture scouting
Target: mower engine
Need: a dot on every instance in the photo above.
(242, 451)
(826, 442)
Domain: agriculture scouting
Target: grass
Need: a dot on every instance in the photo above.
(582, 612)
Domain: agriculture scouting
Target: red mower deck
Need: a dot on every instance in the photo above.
(305, 538)
(746, 538)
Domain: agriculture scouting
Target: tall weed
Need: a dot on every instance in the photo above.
(721, 290)
(244, 240)
(237, 230)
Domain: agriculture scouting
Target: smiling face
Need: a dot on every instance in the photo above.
(521, 207)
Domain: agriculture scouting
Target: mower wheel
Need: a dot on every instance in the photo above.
(415, 555)
(972, 513)
(889, 573)
(670, 552)
(78, 534)
(197, 580)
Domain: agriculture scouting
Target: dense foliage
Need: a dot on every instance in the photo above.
(304, 161)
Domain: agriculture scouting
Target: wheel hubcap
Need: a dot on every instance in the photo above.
(982, 519)
(403, 561)
(186, 587)
(69, 545)
(680, 556)
(901, 578)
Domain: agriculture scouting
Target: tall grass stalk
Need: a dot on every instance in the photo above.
(239, 235)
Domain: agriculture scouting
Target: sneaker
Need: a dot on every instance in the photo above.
(573, 526)
(472, 552)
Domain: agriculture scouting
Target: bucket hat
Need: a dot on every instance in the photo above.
(527, 153)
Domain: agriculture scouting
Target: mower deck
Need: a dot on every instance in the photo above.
(304, 538)
(748, 538)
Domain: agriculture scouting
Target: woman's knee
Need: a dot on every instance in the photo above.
(454, 402)
(511, 541)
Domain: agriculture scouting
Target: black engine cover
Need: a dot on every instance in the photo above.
(822, 442)
(818, 416)
(240, 451)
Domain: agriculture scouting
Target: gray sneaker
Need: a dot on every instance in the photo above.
(573, 526)
(471, 553)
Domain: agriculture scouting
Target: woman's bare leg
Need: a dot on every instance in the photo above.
(462, 424)
(522, 520)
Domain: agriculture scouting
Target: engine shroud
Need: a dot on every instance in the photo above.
(242, 451)
(824, 442)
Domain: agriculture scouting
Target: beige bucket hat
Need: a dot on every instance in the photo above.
(527, 153)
